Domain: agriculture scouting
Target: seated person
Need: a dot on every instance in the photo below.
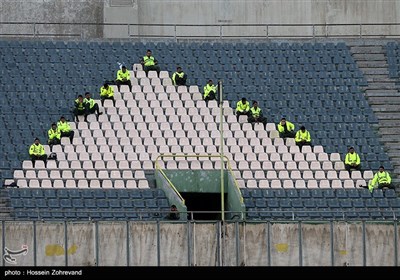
(210, 91)
(303, 137)
(173, 214)
(381, 180)
(179, 77)
(352, 160)
(80, 108)
(242, 108)
(91, 105)
(106, 92)
(256, 115)
(54, 135)
(36, 152)
(286, 129)
(149, 63)
(123, 78)
(65, 129)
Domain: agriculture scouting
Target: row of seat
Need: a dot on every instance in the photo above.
(301, 183)
(87, 203)
(233, 153)
(318, 193)
(73, 183)
(84, 193)
(142, 160)
(71, 214)
(129, 170)
(336, 214)
(321, 203)
(87, 172)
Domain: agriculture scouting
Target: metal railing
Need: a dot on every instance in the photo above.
(85, 30)
(146, 214)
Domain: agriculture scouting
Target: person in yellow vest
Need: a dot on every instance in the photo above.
(286, 129)
(149, 63)
(36, 152)
(54, 135)
(352, 160)
(242, 108)
(91, 105)
(80, 108)
(65, 129)
(123, 78)
(210, 91)
(381, 180)
(256, 115)
(106, 92)
(179, 77)
(303, 137)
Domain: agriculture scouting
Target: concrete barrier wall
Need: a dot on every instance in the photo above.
(316, 245)
(377, 239)
(17, 235)
(255, 245)
(143, 244)
(174, 238)
(81, 244)
(198, 244)
(112, 241)
(217, 12)
(205, 242)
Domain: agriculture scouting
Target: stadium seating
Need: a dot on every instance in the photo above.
(87, 204)
(311, 84)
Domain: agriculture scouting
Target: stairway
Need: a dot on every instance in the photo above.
(4, 206)
(382, 94)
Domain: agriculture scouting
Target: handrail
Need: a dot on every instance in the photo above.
(168, 180)
(179, 31)
(198, 156)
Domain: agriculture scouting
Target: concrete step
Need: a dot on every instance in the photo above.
(371, 64)
(379, 78)
(381, 93)
(395, 172)
(392, 155)
(364, 43)
(375, 71)
(392, 147)
(378, 100)
(392, 109)
(389, 138)
(366, 49)
(395, 166)
(5, 216)
(389, 123)
(380, 86)
(396, 182)
(369, 57)
(389, 131)
(386, 116)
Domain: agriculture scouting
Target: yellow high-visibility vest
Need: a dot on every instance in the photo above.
(37, 150)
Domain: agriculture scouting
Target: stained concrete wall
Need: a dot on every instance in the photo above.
(213, 12)
(200, 244)
(255, 245)
(266, 12)
(51, 12)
